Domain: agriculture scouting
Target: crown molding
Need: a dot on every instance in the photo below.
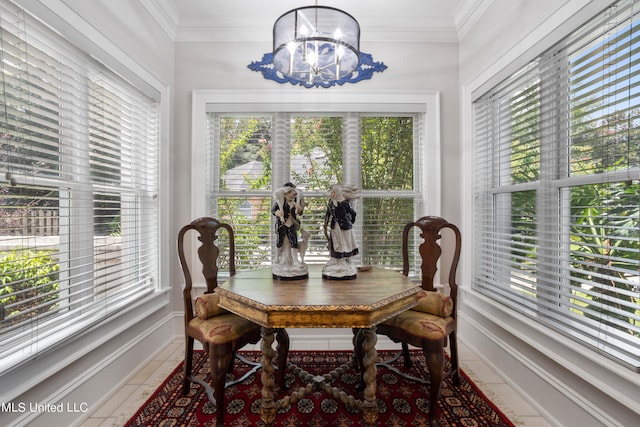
(263, 34)
(165, 13)
(381, 28)
(467, 14)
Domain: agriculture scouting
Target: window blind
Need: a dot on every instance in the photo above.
(373, 152)
(78, 211)
(557, 187)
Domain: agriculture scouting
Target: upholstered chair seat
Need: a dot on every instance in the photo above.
(429, 319)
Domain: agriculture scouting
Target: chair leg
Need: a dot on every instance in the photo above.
(220, 359)
(434, 355)
(188, 363)
(455, 374)
(406, 356)
(233, 356)
(282, 348)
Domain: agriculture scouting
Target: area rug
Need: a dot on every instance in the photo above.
(401, 401)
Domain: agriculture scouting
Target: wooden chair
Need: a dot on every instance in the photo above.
(221, 332)
(432, 322)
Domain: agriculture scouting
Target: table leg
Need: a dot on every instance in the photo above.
(370, 406)
(267, 406)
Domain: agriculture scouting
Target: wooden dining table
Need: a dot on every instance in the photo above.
(375, 295)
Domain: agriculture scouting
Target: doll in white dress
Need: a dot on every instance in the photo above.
(289, 259)
(338, 228)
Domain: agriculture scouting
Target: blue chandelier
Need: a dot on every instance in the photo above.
(316, 46)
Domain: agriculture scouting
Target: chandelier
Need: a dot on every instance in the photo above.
(316, 46)
(316, 43)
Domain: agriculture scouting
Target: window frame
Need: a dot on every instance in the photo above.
(205, 101)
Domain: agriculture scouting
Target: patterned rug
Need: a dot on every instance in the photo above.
(401, 402)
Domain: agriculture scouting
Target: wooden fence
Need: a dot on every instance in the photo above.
(31, 222)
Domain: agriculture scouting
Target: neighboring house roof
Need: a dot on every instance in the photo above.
(239, 177)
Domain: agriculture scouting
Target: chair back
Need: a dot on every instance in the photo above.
(431, 249)
(208, 253)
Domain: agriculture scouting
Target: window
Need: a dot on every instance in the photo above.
(251, 155)
(78, 215)
(557, 187)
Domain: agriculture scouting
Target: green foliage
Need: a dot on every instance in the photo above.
(523, 227)
(28, 282)
(603, 247)
(605, 241)
(387, 153)
(387, 148)
(313, 136)
(115, 228)
(255, 231)
(524, 139)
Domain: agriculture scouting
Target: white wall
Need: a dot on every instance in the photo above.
(567, 383)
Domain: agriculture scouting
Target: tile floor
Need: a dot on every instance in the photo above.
(124, 403)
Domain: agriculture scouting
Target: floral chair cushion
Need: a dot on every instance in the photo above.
(207, 306)
(435, 303)
(220, 329)
(422, 325)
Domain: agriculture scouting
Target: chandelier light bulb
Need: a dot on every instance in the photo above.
(339, 53)
(312, 58)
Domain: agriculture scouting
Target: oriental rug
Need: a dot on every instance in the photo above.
(401, 401)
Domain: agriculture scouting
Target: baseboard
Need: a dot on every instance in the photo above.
(328, 339)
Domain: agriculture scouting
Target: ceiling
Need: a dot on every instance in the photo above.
(380, 20)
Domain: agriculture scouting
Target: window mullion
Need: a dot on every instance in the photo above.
(213, 177)
(81, 232)
(352, 171)
(351, 149)
(281, 168)
(553, 141)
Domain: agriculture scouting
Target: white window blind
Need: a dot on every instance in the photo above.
(557, 187)
(78, 212)
(372, 151)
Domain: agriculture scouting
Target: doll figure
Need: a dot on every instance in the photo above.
(289, 258)
(338, 229)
